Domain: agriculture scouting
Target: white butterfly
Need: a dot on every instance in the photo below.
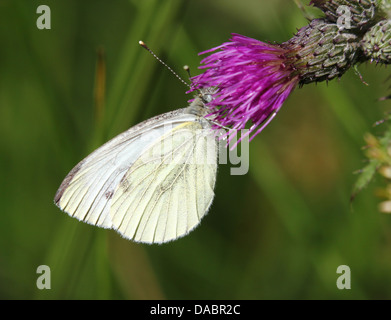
(152, 183)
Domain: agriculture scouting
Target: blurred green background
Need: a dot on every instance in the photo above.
(279, 232)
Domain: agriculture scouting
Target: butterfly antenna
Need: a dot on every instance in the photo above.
(187, 69)
(194, 87)
(142, 43)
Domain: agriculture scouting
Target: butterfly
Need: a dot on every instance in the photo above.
(152, 183)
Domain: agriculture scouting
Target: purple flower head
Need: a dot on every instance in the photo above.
(252, 80)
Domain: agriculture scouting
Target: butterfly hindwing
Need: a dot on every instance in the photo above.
(152, 183)
(169, 188)
(87, 190)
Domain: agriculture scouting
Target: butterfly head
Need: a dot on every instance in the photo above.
(199, 105)
(206, 94)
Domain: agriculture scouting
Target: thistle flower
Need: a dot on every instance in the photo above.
(253, 78)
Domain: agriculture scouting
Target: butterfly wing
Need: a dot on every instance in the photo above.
(169, 188)
(86, 192)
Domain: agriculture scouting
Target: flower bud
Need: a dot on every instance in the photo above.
(376, 43)
(354, 15)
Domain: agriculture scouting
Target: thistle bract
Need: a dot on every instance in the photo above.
(322, 51)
